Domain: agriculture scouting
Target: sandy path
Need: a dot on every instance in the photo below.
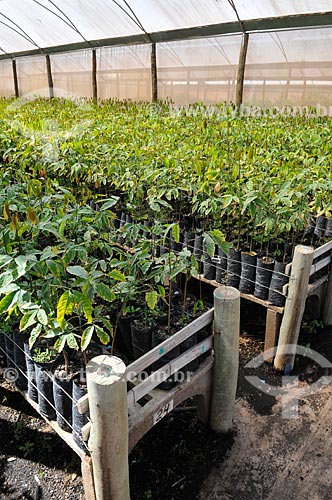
(273, 457)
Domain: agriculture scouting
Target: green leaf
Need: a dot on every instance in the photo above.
(21, 262)
(69, 256)
(78, 271)
(219, 239)
(34, 335)
(82, 254)
(72, 342)
(54, 267)
(151, 299)
(86, 337)
(176, 232)
(12, 287)
(60, 343)
(5, 260)
(6, 211)
(177, 269)
(109, 203)
(65, 306)
(117, 275)
(102, 335)
(32, 215)
(42, 316)
(87, 308)
(28, 319)
(209, 244)
(6, 278)
(108, 324)
(7, 301)
(104, 292)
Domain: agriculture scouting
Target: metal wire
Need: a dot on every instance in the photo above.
(191, 247)
(38, 391)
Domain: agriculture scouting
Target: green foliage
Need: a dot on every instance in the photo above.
(61, 262)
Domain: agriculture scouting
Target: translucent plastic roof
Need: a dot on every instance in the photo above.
(28, 25)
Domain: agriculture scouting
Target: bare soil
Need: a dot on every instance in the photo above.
(267, 456)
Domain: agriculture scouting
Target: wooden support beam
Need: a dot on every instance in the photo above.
(87, 477)
(108, 443)
(226, 351)
(17, 93)
(154, 73)
(294, 307)
(198, 385)
(273, 321)
(94, 75)
(49, 76)
(241, 70)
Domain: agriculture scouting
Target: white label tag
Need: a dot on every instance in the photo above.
(162, 412)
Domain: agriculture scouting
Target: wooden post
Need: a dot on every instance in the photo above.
(327, 311)
(49, 76)
(241, 70)
(226, 363)
(273, 321)
(108, 443)
(17, 93)
(94, 75)
(294, 307)
(154, 74)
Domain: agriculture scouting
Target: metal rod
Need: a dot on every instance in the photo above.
(49, 76)
(154, 73)
(17, 93)
(94, 75)
(241, 70)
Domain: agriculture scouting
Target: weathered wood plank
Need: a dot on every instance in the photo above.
(285, 289)
(320, 265)
(273, 322)
(313, 286)
(288, 269)
(83, 404)
(143, 388)
(147, 359)
(87, 476)
(323, 249)
(86, 431)
(261, 302)
(245, 296)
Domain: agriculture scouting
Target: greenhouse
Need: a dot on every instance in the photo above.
(187, 51)
(166, 249)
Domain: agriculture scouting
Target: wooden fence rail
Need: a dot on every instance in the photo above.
(118, 419)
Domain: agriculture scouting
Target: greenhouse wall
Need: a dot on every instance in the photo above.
(32, 76)
(6, 79)
(124, 72)
(290, 67)
(198, 70)
(72, 74)
(282, 68)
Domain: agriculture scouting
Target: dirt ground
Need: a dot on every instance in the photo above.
(274, 457)
(266, 457)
